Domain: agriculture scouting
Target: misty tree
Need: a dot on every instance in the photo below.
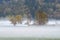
(41, 17)
(33, 6)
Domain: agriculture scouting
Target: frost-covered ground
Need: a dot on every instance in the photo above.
(43, 31)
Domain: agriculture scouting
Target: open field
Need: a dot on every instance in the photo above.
(24, 32)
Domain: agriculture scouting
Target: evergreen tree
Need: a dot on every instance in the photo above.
(33, 6)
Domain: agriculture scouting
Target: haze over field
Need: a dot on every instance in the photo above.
(20, 30)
